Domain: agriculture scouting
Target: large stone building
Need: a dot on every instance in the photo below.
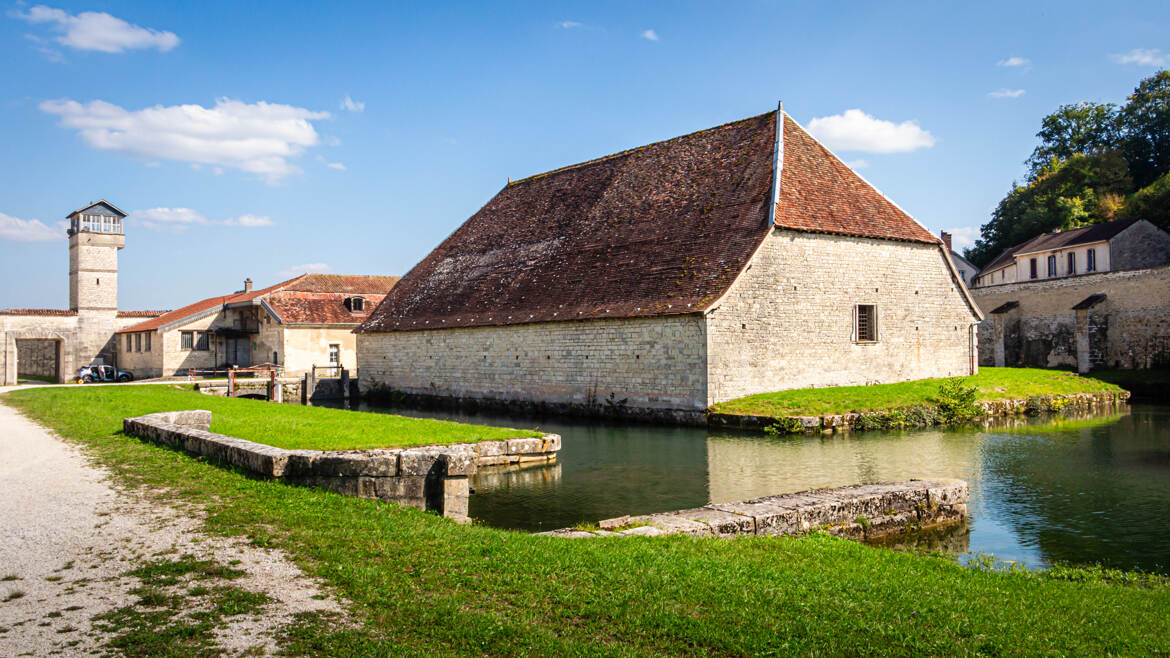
(737, 260)
(54, 343)
(296, 324)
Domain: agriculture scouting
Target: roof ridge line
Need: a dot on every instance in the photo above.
(631, 150)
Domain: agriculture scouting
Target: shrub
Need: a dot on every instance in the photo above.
(881, 420)
(956, 403)
(923, 415)
(784, 425)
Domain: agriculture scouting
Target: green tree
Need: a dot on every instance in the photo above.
(1145, 122)
(1072, 129)
(1152, 202)
(1070, 193)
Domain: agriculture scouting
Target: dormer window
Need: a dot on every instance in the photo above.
(355, 304)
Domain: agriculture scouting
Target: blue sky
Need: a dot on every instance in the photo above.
(261, 139)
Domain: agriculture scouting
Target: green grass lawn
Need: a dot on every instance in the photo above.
(420, 584)
(285, 426)
(992, 383)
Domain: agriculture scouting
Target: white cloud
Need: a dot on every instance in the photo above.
(650, 35)
(350, 104)
(857, 131)
(963, 237)
(1006, 93)
(859, 163)
(1013, 62)
(177, 220)
(307, 268)
(92, 30)
(29, 230)
(335, 165)
(259, 138)
(568, 25)
(250, 221)
(1144, 57)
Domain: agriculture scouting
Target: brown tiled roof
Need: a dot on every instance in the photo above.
(37, 311)
(140, 314)
(819, 193)
(318, 308)
(1085, 235)
(347, 283)
(367, 286)
(659, 230)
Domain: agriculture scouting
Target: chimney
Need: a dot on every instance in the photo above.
(946, 238)
(248, 282)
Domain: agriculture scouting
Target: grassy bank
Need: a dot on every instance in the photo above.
(990, 384)
(285, 426)
(424, 585)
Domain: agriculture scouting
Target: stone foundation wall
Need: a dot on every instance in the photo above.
(427, 477)
(1129, 329)
(859, 512)
(1075, 403)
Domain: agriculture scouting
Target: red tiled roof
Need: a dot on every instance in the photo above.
(318, 308)
(819, 193)
(36, 311)
(659, 230)
(140, 314)
(368, 286)
(346, 283)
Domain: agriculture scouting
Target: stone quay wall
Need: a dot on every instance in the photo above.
(858, 512)
(1129, 328)
(426, 477)
(1073, 403)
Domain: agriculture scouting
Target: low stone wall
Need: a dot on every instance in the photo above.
(859, 512)
(1080, 402)
(426, 477)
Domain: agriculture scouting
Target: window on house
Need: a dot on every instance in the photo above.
(1032, 265)
(201, 341)
(866, 319)
(1052, 266)
(148, 341)
(334, 354)
(129, 342)
(187, 340)
(1091, 260)
(1072, 263)
(137, 342)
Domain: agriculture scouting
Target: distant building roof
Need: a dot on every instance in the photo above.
(140, 314)
(658, 230)
(37, 311)
(99, 202)
(308, 283)
(1074, 237)
(293, 307)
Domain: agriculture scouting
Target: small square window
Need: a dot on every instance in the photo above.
(866, 318)
(187, 340)
(201, 341)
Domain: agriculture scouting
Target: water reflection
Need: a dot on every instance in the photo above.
(1083, 491)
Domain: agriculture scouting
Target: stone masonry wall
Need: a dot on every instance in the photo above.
(861, 511)
(1129, 329)
(787, 322)
(1139, 246)
(640, 363)
(424, 477)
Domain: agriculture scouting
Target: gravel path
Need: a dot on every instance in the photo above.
(68, 537)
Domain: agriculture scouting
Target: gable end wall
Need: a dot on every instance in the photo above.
(787, 322)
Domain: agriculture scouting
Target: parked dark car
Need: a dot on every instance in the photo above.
(91, 374)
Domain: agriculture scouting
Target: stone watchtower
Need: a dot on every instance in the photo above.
(95, 236)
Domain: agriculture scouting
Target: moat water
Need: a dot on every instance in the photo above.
(1085, 491)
